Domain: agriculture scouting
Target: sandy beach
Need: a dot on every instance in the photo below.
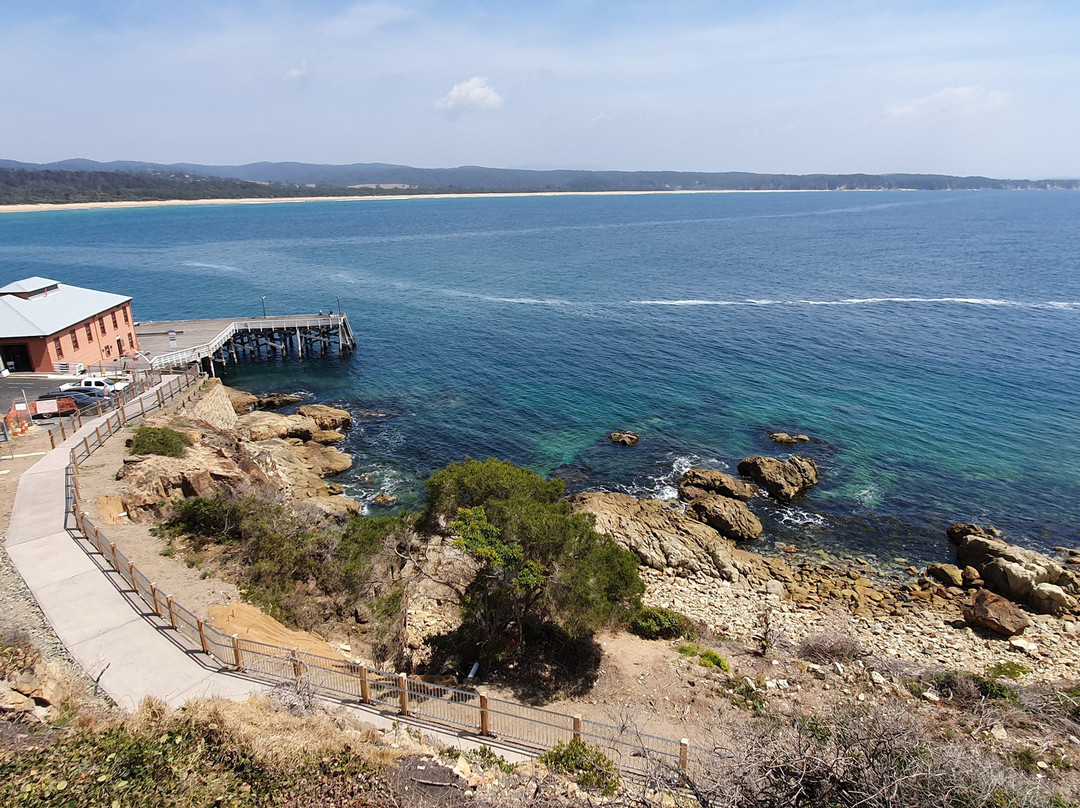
(154, 203)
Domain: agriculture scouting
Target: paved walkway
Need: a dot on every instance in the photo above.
(107, 628)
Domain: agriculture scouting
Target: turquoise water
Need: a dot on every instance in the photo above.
(927, 341)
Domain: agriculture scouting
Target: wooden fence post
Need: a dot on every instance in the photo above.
(684, 753)
(86, 445)
(112, 550)
(403, 692)
(297, 665)
(238, 656)
(131, 572)
(97, 430)
(202, 636)
(153, 597)
(99, 409)
(52, 440)
(577, 727)
(63, 432)
(485, 716)
(160, 398)
(142, 406)
(365, 686)
(172, 614)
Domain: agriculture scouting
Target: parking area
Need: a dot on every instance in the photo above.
(15, 387)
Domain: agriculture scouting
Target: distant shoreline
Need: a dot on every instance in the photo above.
(155, 203)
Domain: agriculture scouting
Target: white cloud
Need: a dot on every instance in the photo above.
(949, 101)
(473, 94)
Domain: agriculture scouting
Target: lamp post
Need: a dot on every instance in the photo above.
(263, 298)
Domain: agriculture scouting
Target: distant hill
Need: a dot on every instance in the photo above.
(87, 180)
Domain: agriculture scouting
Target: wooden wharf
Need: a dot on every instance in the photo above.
(224, 340)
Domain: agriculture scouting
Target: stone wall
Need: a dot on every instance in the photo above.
(214, 407)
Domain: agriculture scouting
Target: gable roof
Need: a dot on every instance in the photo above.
(49, 307)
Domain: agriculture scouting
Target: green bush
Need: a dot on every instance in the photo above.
(592, 768)
(655, 623)
(1007, 670)
(711, 659)
(159, 441)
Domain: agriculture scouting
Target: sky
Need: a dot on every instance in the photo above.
(969, 88)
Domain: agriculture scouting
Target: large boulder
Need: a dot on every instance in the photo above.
(326, 417)
(712, 481)
(242, 402)
(730, 518)
(259, 426)
(996, 613)
(659, 533)
(784, 480)
(275, 401)
(1021, 575)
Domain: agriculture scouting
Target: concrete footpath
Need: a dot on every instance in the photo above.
(108, 629)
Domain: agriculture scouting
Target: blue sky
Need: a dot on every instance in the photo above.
(988, 88)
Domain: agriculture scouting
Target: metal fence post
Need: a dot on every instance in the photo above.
(577, 727)
(403, 692)
(485, 716)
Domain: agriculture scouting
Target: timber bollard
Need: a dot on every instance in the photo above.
(577, 727)
(684, 753)
(131, 572)
(112, 550)
(172, 614)
(403, 692)
(52, 440)
(153, 597)
(86, 445)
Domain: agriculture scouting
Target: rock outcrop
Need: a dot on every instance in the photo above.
(275, 401)
(788, 439)
(784, 480)
(1023, 576)
(697, 481)
(730, 518)
(258, 426)
(624, 438)
(326, 417)
(659, 533)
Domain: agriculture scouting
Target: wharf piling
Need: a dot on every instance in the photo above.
(177, 343)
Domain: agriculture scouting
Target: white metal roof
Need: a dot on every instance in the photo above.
(43, 315)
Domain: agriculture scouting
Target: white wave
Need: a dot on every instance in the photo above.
(224, 268)
(801, 518)
(524, 301)
(867, 301)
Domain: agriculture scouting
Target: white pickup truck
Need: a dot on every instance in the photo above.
(100, 384)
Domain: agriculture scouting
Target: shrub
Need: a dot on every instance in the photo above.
(1007, 670)
(829, 646)
(655, 623)
(592, 768)
(159, 441)
(711, 659)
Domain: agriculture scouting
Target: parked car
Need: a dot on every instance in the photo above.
(107, 386)
(63, 402)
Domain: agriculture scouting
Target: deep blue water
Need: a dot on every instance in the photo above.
(927, 341)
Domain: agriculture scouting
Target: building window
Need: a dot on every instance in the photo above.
(59, 349)
(115, 325)
(131, 342)
(74, 340)
(89, 333)
(101, 322)
(108, 350)
(126, 320)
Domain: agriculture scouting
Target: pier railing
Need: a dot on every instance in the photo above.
(195, 353)
(462, 710)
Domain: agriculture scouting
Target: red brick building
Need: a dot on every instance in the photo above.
(47, 327)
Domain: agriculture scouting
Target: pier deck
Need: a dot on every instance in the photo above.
(225, 340)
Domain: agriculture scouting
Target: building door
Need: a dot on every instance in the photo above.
(119, 346)
(16, 357)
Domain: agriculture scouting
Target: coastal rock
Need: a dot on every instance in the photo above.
(384, 500)
(659, 533)
(259, 426)
(326, 417)
(788, 439)
(624, 438)
(947, 574)
(327, 436)
(995, 613)
(275, 401)
(712, 481)
(730, 518)
(784, 480)
(242, 402)
(1021, 575)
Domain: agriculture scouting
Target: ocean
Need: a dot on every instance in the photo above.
(926, 341)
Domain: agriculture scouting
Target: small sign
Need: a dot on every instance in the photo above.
(48, 406)
(172, 338)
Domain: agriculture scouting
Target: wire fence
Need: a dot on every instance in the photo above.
(463, 710)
